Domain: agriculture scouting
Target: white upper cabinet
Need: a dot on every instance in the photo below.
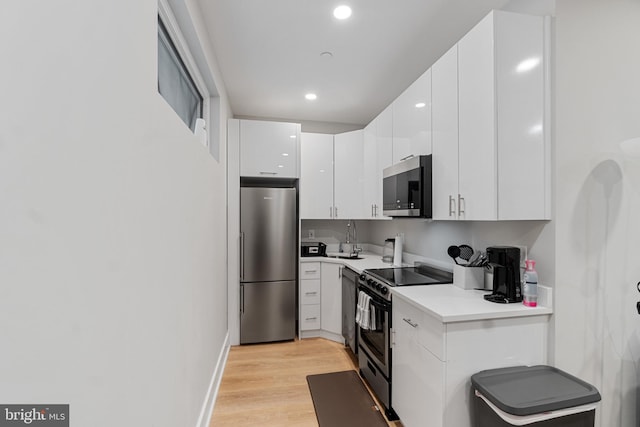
(269, 149)
(444, 106)
(348, 175)
(502, 145)
(331, 181)
(316, 176)
(377, 156)
(412, 120)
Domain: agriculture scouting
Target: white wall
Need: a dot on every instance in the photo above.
(598, 200)
(112, 222)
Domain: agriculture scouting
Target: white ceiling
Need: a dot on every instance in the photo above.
(269, 52)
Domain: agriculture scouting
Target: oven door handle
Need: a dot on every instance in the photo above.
(385, 307)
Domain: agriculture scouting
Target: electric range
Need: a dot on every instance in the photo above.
(379, 280)
(374, 355)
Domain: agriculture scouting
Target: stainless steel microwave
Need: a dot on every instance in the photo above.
(406, 188)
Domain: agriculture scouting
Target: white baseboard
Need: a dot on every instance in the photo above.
(214, 385)
(319, 333)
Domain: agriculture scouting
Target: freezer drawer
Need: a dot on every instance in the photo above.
(267, 311)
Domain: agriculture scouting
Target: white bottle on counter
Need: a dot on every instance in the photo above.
(397, 251)
(530, 291)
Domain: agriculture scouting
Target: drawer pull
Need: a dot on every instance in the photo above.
(311, 293)
(310, 271)
(413, 325)
(311, 318)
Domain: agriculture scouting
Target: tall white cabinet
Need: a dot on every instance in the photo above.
(444, 104)
(377, 155)
(331, 180)
(316, 176)
(502, 148)
(348, 175)
(412, 120)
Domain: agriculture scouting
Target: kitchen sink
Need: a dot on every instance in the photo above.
(344, 256)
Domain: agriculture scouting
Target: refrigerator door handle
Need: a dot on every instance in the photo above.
(241, 298)
(241, 256)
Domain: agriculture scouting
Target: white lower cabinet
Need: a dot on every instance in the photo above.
(310, 317)
(432, 361)
(331, 298)
(418, 375)
(320, 299)
(309, 296)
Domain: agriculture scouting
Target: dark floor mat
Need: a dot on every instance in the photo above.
(341, 399)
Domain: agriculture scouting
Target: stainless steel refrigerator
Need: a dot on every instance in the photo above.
(268, 259)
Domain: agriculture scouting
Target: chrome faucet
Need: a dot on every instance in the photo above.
(352, 237)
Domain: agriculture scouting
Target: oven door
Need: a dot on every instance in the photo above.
(376, 342)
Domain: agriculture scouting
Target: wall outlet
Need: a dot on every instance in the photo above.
(311, 234)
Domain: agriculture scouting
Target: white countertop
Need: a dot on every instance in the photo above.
(368, 260)
(449, 303)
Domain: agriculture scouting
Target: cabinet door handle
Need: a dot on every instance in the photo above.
(452, 206)
(461, 205)
(372, 211)
(330, 212)
(413, 325)
(336, 212)
(408, 157)
(268, 173)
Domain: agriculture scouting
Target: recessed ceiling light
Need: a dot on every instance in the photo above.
(311, 96)
(342, 12)
(420, 105)
(280, 166)
(292, 136)
(285, 154)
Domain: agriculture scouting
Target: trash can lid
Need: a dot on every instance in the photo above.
(527, 390)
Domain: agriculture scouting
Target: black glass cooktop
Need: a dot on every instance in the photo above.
(408, 276)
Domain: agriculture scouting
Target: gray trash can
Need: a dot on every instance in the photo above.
(536, 396)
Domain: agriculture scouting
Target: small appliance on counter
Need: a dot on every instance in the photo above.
(308, 249)
(504, 271)
(388, 250)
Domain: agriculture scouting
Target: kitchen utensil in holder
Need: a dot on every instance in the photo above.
(466, 277)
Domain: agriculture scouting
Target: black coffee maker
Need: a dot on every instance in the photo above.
(504, 261)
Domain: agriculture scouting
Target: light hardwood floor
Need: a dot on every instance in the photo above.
(266, 384)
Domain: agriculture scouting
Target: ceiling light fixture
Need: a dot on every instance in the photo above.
(342, 12)
(311, 96)
(420, 105)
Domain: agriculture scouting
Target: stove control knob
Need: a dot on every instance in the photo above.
(378, 286)
(362, 277)
(370, 282)
(384, 290)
